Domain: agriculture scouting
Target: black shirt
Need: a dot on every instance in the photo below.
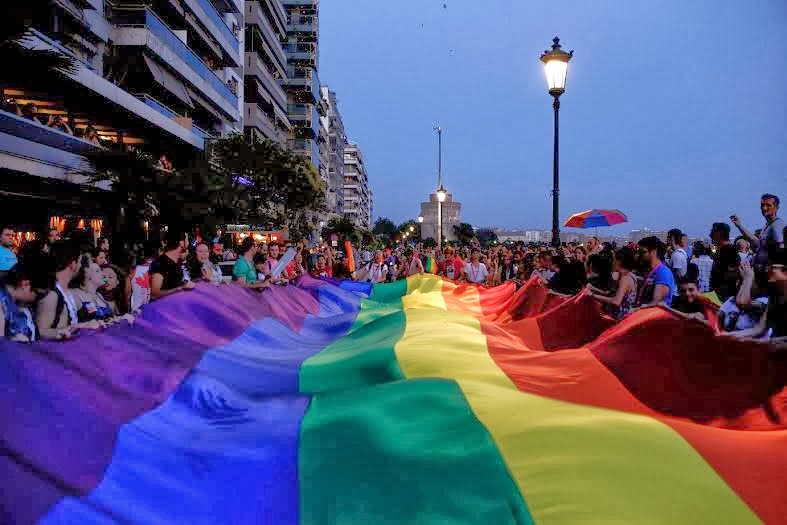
(170, 270)
(724, 273)
(570, 279)
(681, 304)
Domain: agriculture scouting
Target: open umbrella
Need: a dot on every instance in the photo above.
(596, 218)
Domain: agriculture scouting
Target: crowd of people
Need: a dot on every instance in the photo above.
(53, 289)
(741, 279)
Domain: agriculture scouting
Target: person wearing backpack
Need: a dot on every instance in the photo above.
(375, 271)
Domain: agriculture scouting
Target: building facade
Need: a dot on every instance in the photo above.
(357, 192)
(165, 77)
(303, 83)
(265, 71)
(160, 76)
(333, 129)
(452, 216)
(526, 236)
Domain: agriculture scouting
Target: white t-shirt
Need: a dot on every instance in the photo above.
(680, 262)
(733, 318)
(377, 273)
(476, 274)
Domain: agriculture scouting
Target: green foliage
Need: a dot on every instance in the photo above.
(279, 189)
(384, 226)
(284, 188)
(34, 66)
(345, 228)
(486, 237)
(405, 228)
(429, 243)
(464, 233)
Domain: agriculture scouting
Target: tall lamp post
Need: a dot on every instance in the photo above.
(556, 67)
(441, 193)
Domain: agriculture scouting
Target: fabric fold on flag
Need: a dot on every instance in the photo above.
(420, 401)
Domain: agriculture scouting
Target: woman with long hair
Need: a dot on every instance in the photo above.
(85, 286)
(626, 296)
(114, 289)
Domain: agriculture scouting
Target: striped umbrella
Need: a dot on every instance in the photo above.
(595, 218)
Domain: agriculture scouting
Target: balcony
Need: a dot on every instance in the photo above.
(304, 86)
(229, 6)
(217, 27)
(150, 31)
(41, 134)
(256, 118)
(279, 21)
(172, 114)
(301, 3)
(85, 76)
(257, 68)
(255, 16)
(301, 52)
(304, 25)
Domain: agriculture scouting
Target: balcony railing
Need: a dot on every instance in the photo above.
(257, 66)
(156, 26)
(255, 15)
(257, 118)
(168, 112)
(299, 48)
(220, 22)
(42, 134)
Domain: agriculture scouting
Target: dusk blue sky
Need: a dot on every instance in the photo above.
(675, 111)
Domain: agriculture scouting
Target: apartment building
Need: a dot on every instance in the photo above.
(357, 192)
(162, 76)
(265, 110)
(303, 84)
(333, 130)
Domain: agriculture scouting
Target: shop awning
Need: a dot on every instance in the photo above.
(205, 104)
(168, 81)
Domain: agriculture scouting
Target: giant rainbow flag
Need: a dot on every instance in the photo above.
(418, 402)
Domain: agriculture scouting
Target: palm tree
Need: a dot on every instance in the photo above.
(29, 64)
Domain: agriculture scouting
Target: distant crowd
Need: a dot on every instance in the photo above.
(53, 289)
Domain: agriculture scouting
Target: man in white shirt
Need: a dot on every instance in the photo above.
(679, 261)
(374, 272)
(704, 263)
(475, 271)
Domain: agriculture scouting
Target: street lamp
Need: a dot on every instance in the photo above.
(556, 68)
(441, 193)
(412, 229)
(440, 190)
(420, 219)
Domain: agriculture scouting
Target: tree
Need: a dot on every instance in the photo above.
(35, 66)
(405, 228)
(191, 196)
(384, 226)
(486, 237)
(237, 181)
(464, 233)
(284, 189)
(344, 228)
(429, 243)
